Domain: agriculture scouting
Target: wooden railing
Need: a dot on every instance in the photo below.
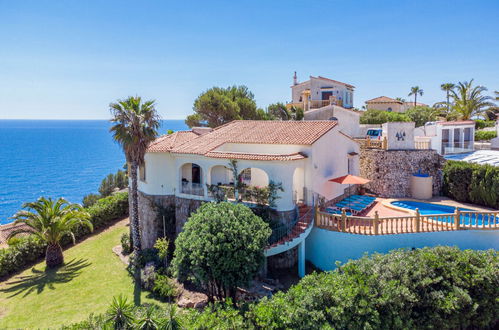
(373, 144)
(417, 223)
(422, 144)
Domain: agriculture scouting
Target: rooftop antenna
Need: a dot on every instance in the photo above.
(295, 79)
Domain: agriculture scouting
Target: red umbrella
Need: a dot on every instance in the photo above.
(350, 179)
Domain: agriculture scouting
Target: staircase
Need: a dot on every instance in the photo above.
(295, 234)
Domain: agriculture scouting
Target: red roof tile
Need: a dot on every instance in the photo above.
(167, 142)
(457, 122)
(384, 99)
(254, 156)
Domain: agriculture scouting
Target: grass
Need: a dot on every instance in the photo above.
(91, 276)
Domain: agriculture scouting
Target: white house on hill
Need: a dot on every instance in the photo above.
(386, 103)
(301, 155)
(318, 92)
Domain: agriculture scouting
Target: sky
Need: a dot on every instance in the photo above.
(70, 59)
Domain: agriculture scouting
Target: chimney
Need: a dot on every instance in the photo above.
(295, 79)
(202, 130)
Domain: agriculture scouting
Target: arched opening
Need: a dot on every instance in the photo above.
(254, 177)
(192, 179)
(389, 109)
(221, 176)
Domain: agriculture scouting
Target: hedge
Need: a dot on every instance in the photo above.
(29, 250)
(481, 124)
(429, 288)
(372, 116)
(485, 135)
(472, 183)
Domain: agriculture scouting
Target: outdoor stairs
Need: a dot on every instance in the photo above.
(304, 220)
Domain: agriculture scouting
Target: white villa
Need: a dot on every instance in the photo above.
(386, 103)
(301, 155)
(318, 92)
(447, 137)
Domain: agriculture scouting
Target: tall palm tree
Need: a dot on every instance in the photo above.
(415, 91)
(447, 87)
(135, 125)
(468, 101)
(50, 221)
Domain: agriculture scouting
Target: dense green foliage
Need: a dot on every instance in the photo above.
(485, 135)
(429, 288)
(372, 116)
(469, 101)
(109, 184)
(220, 248)
(218, 106)
(421, 115)
(481, 124)
(279, 111)
(472, 183)
(29, 250)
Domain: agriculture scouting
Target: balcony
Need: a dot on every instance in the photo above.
(315, 104)
(190, 188)
(456, 147)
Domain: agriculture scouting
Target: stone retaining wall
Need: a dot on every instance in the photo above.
(390, 170)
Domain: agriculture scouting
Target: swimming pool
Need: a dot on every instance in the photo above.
(431, 209)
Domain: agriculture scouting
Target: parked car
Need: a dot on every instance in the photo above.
(374, 133)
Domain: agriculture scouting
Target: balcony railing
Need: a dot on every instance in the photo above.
(315, 104)
(456, 147)
(190, 188)
(422, 145)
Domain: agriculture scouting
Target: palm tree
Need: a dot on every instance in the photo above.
(447, 87)
(50, 221)
(469, 101)
(120, 313)
(136, 124)
(415, 91)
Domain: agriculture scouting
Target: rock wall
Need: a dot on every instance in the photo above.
(390, 170)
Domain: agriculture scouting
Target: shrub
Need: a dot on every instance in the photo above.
(420, 115)
(107, 185)
(485, 135)
(442, 287)
(220, 248)
(162, 245)
(165, 288)
(481, 124)
(219, 316)
(380, 117)
(90, 200)
(105, 211)
(148, 277)
(472, 183)
(126, 244)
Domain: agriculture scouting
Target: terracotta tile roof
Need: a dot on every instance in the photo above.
(417, 104)
(384, 99)
(168, 142)
(335, 81)
(457, 122)
(257, 132)
(253, 156)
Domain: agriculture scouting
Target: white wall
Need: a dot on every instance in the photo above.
(221, 174)
(324, 247)
(157, 183)
(393, 129)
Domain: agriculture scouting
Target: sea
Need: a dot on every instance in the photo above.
(57, 158)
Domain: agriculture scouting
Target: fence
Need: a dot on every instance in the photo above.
(459, 220)
(373, 144)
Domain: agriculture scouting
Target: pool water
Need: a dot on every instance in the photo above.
(431, 209)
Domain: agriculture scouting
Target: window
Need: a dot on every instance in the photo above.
(350, 165)
(142, 172)
(389, 109)
(246, 176)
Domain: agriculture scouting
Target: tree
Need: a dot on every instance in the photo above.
(447, 88)
(373, 116)
(221, 248)
(279, 111)
(218, 106)
(135, 125)
(421, 115)
(469, 101)
(107, 185)
(50, 221)
(90, 199)
(415, 91)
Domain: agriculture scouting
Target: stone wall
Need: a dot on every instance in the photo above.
(390, 170)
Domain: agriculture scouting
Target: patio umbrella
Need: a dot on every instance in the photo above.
(349, 180)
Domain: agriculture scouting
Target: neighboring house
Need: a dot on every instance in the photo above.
(447, 137)
(386, 103)
(301, 155)
(318, 92)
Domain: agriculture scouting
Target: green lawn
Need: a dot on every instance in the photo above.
(92, 275)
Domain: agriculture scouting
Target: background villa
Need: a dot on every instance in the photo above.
(386, 103)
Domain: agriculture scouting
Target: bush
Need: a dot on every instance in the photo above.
(90, 200)
(442, 287)
(219, 316)
(29, 250)
(420, 115)
(165, 288)
(485, 135)
(220, 248)
(481, 124)
(380, 117)
(126, 244)
(472, 183)
(148, 277)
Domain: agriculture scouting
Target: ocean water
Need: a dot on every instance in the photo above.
(56, 158)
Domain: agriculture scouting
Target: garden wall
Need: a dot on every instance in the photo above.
(390, 170)
(324, 247)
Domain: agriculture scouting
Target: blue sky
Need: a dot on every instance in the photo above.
(70, 59)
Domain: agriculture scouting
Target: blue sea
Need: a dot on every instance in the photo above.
(57, 158)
